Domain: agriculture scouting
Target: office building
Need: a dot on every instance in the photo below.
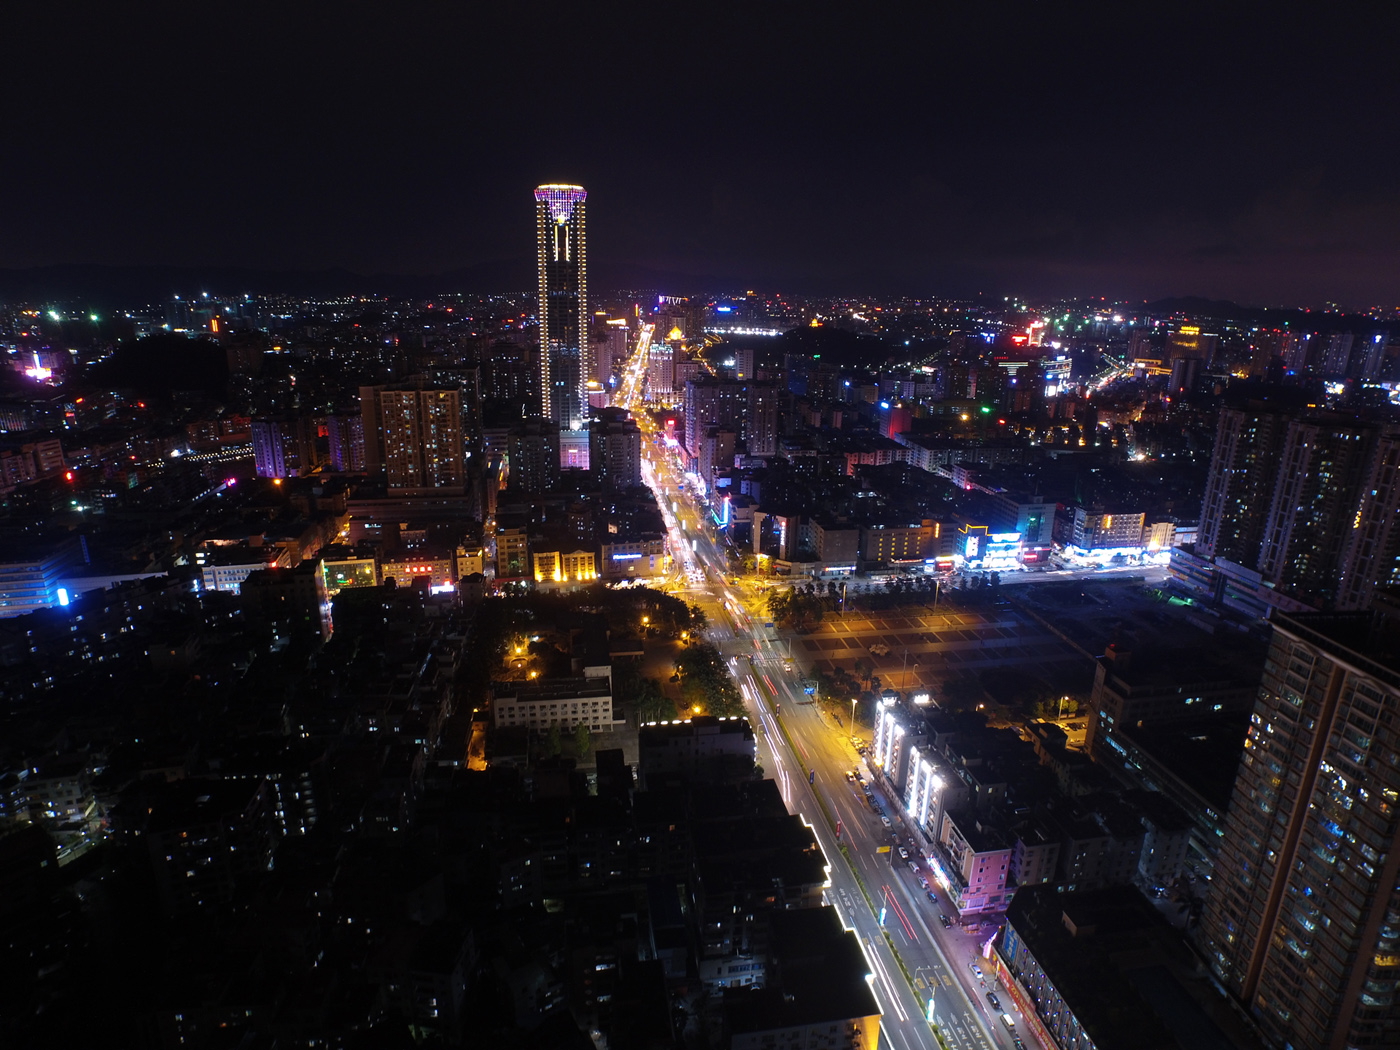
(1095, 530)
(33, 578)
(1302, 923)
(561, 251)
(609, 351)
(342, 570)
(885, 543)
(645, 556)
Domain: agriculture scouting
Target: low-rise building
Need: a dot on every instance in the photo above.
(512, 557)
(971, 863)
(225, 568)
(1103, 970)
(438, 567)
(641, 557)
(541, 702)
(816, 994)
(560, 567)
(699, 749)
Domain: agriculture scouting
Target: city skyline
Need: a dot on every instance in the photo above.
(918, 570)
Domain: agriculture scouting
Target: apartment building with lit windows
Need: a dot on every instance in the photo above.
(1302, 924)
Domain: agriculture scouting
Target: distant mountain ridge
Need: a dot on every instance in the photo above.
(109, 287)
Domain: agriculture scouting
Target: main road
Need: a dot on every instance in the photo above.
(930, 978)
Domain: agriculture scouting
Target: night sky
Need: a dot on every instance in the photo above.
(1016, 150)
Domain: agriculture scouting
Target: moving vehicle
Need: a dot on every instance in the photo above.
(1009, 1021)
(884, 820)
(932, 897)
(903, 853)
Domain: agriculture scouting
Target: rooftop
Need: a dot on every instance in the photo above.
(1123, 972)
(819, 976)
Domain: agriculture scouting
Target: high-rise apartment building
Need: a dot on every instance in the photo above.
(347, 441)
(413, 431)
(713, 402)
(1188, 341)
(615, 449)
(561, 251)
(661, 370)
(1302, 923)
(1338, 355)
(284, 448)
(1308, 502)
(532, 456)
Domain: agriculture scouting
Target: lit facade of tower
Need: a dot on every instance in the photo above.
(561, 250)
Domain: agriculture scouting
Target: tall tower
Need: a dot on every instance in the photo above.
(562, 253)
(1302, 922)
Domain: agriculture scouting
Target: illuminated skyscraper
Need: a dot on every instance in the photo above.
(563, 267)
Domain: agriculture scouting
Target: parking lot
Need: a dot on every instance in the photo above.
(917, 647)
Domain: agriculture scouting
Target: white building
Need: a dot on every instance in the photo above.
(541, 702)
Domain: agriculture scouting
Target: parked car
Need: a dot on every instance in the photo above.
(884, 820)
(932, 897)
(976, 970)
(924, 883)
(850, 776)
(992, 998)
(903, 853)
(947, 922)
(913, 867)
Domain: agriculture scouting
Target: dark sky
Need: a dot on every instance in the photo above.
(1031, 149)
